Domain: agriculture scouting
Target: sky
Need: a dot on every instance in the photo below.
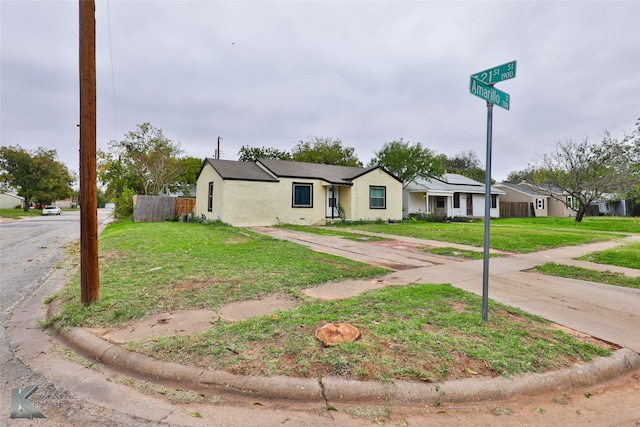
(273, 73)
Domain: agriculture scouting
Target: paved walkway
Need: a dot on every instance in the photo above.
(610, 313)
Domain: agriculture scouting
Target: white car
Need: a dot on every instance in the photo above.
(51, 210)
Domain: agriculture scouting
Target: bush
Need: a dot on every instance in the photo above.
(124, 205)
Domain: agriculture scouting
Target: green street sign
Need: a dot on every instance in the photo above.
(497, 74)
(489, 93)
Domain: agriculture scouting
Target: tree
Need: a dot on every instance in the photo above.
(465, 163)
(146, 161)
(325, 151)
(251, 154)
(408, 161)
(585, 171)
(36, 175)
(190, 169)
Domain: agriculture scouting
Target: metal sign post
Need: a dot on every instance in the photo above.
(481, 85)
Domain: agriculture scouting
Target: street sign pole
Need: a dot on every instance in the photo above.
(487, 216)
(481, 85)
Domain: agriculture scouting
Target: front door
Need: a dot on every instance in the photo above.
(469, 204)
(332, 202)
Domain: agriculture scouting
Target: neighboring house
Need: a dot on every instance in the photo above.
(559, 203)
(450, 195)
(611, 205)
(10, 200)
(538, 202)
(268, 191)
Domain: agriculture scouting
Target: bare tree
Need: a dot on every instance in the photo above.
(585, 171)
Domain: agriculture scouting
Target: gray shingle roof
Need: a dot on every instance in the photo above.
(333, 174)
(524, 189)
(245, 171)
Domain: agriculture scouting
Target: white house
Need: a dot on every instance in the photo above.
(449, 195)
(10, 200)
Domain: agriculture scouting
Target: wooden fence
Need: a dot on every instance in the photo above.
(160, 208)
(514, 210)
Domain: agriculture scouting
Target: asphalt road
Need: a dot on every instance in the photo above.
(30, 250)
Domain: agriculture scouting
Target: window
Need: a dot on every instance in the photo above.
(210, 198)
(456, 200)
(302, 195)
(539, 203)
(377, 197)
(494, 201)
(440, 202)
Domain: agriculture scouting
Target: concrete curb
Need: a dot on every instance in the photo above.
(333, 389)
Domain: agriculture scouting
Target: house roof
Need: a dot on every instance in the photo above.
(270, 170)
(235, 170)
(524, 189)
(449, 183)
(333, 174)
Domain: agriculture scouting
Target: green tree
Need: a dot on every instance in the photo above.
(325, 151)
(36, 175)
(145, 161)
(190, 169)
(251, 154)
(408, 161)
(465, 163)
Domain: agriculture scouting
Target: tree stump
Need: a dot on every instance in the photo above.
(335, 333)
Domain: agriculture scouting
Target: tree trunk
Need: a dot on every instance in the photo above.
(581, 212)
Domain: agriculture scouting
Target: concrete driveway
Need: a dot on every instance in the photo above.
(610, 313)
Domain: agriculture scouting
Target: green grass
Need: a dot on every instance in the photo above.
(153, 267)
(19, 213)
(506, 235)
(417, 332)
(624, 256)
(579, 273)
(593, 223)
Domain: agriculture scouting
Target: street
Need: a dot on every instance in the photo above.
(30, 250)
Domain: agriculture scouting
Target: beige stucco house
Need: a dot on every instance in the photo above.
(268, 191)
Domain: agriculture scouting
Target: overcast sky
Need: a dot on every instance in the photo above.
(272, 73)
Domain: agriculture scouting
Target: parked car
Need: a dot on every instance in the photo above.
(51, 210)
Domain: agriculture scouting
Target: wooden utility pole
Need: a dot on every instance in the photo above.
(89, 274)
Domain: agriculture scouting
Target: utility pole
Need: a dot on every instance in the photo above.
(218, 150)
(89, 274)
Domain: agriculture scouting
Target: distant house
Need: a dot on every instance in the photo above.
(10, 200)
(450, 195)
(538, 203)
(267, 192)
(616, 206)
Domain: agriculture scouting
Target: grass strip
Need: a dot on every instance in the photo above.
(579, 273)
(624, 256)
